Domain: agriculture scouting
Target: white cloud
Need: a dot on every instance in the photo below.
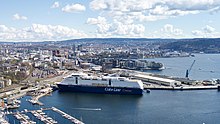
(168, 31)
(39, 32)
(56, 5)
(215, 10)
(101, 23)
(208, 29)
(197, 33)
(19, 17)
(206, 32)
(74, 8)
(3, 28)
(94, 21)
(98, 5)
(135, 12)
(153, 10)
(116, 28)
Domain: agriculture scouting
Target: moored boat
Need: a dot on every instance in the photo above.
(102, 85)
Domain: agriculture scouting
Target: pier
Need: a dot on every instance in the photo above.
(39, 114)
(24, 119)
(43, 92)
(74, 120)
(157, 87)
(2, 119)
(162, 82)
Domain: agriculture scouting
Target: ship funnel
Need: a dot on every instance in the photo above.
(109, 82)
(76, 80)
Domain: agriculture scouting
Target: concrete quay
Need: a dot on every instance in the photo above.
(162, 82)
(181, 88)
(43, 92)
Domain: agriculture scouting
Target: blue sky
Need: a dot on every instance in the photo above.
(37, 20)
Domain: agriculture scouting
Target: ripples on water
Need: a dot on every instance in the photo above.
(158, 107)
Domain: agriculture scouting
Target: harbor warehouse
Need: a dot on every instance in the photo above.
(157, 80)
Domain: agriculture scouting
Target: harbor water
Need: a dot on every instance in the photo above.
(157, 107)
(206, 66)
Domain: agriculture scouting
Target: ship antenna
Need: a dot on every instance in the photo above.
(76, 80)
(109, 82)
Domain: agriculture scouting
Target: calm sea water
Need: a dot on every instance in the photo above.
(158, 107)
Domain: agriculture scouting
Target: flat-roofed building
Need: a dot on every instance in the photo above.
(158, 80)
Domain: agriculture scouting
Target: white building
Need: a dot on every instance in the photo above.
(158, 80)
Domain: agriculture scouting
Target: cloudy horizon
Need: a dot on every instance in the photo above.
(66, 19)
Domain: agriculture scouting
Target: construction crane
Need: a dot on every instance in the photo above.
(188, 70)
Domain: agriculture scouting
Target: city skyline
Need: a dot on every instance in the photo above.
(67, 19)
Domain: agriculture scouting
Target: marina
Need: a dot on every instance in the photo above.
(2, 119)
(74, 120)
(148, 103)
(39, 114)
(42, 116)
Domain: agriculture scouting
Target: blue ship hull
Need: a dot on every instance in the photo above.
(100, 89)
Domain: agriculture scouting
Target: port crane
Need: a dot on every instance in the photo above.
(188, 70)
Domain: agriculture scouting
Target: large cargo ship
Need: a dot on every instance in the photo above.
(102, 85)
